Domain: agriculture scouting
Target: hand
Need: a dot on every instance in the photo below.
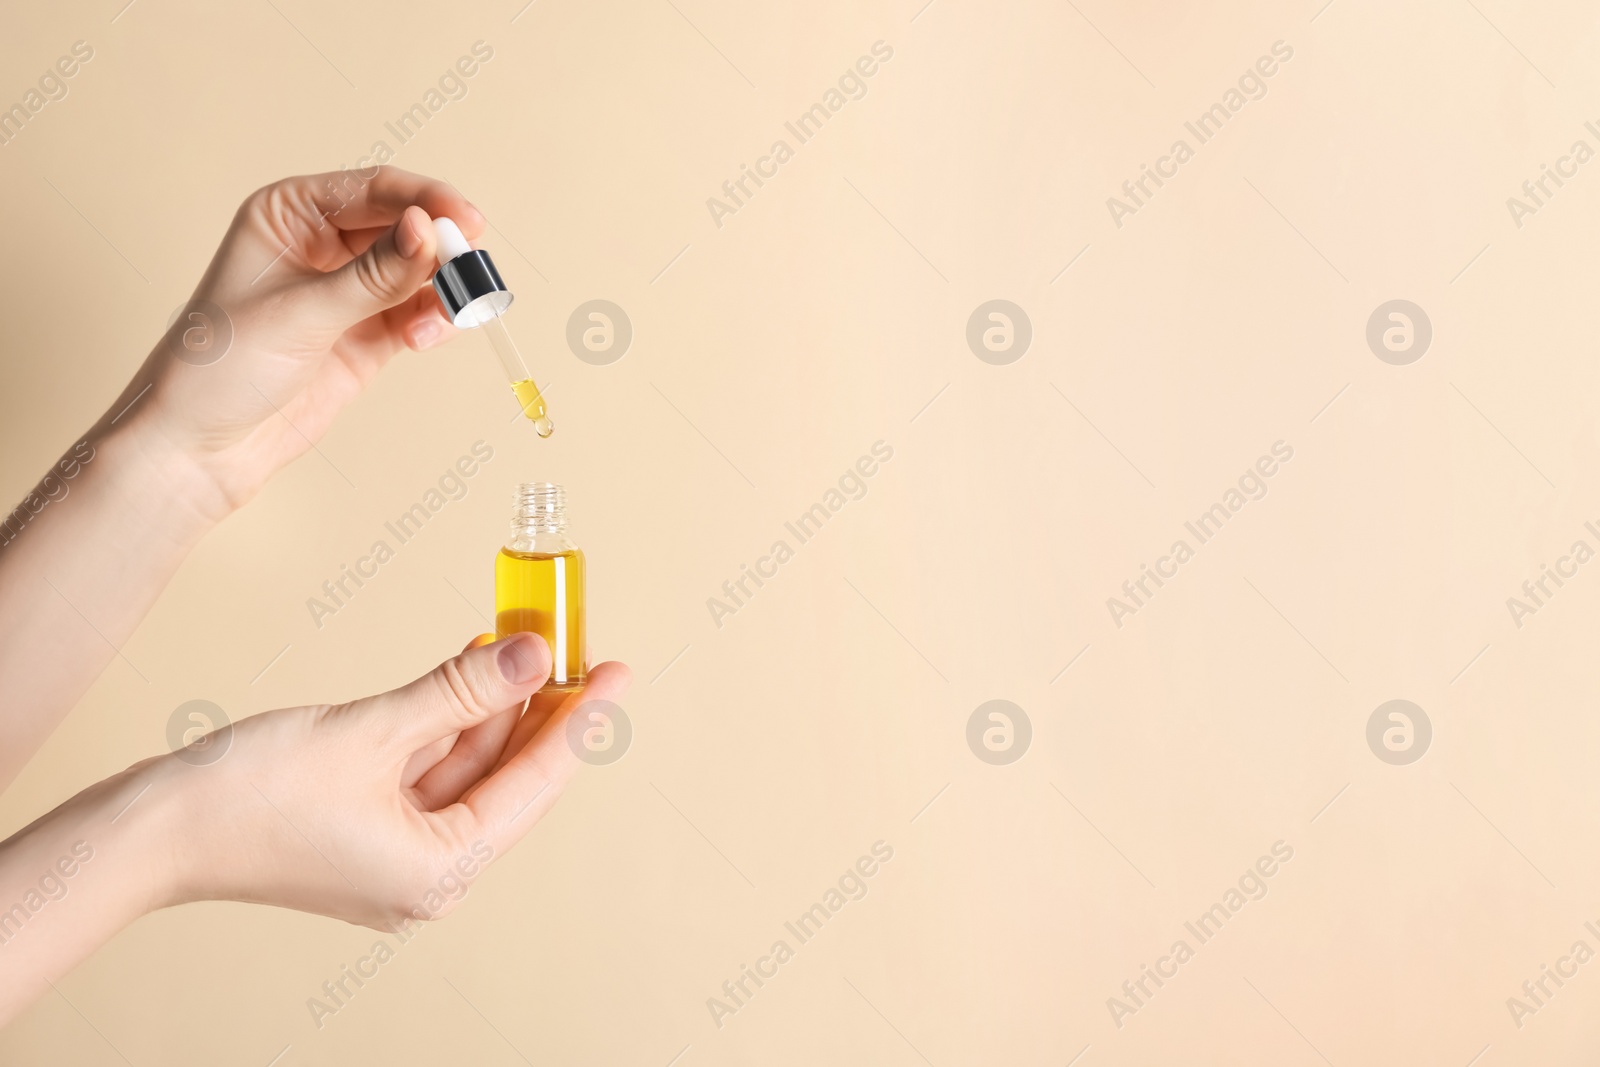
(323, 278)
(376, 811)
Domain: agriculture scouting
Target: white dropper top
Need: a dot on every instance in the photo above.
(452, 242)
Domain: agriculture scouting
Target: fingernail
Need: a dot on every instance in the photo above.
(516, 664)
(425, 333)
(407, 239)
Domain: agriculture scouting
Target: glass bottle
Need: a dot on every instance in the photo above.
(539, 582)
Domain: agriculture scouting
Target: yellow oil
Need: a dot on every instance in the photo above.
(542, 593)
(532, 404)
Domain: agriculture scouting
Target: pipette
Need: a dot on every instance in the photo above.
(473, 295)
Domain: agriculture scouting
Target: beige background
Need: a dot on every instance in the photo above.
(826, 715)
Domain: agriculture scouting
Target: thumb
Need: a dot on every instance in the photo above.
(464, 691)
(389, 272)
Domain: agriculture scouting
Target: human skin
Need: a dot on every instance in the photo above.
(185, 445)
(352, 810)
(355, 811)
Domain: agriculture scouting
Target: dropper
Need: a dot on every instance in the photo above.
(473, 295)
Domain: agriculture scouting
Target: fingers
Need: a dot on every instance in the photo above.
(365, 348)
(358, 241)
(390, 271)
(419, 323)
(464, 691)
(541, 706)
(352, 200)
(424, 758)
(464, 758)
(469, 759)
(366, 242)
(513, 798)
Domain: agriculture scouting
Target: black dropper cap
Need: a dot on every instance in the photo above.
(468, 284)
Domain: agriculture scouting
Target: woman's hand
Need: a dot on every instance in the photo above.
(357, 811)
(319, 281)
(377, 812)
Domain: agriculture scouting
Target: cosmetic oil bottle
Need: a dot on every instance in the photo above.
(539, 582)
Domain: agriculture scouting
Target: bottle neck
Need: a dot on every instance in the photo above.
(539, 511)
